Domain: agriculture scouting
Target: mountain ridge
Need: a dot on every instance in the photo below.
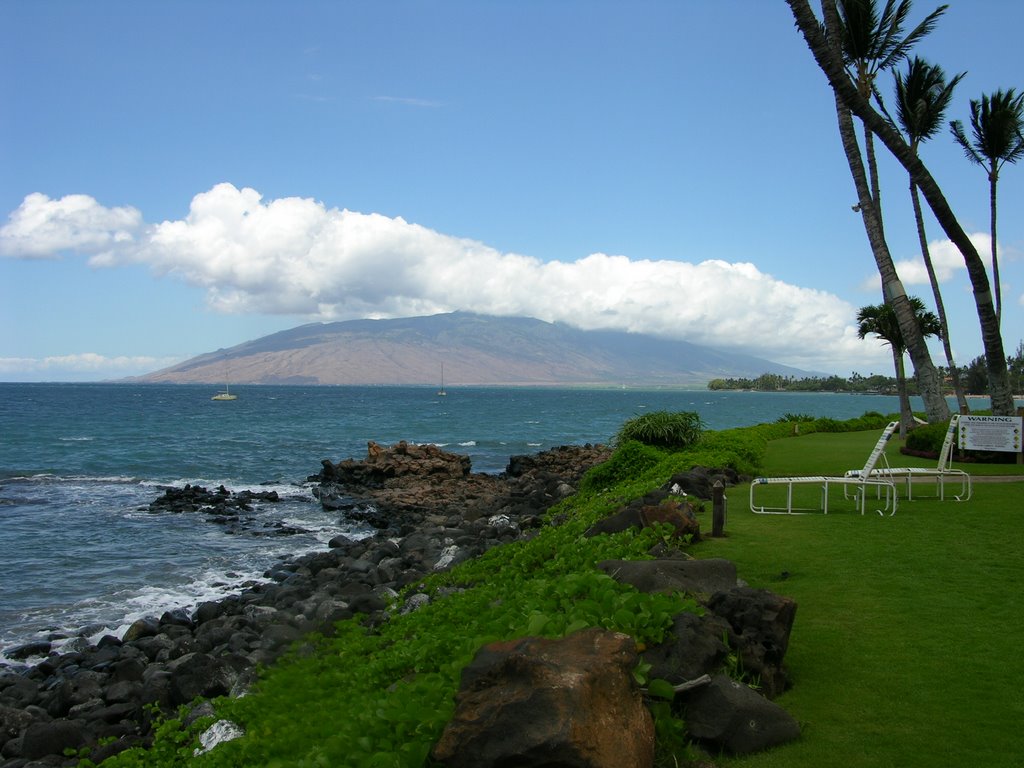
(474, 350)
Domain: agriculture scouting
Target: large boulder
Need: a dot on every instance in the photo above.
(536, 702)
(697, 577)
(700, 481)
(653, 509)
(52, 738)
(198, 674)
(732, 716)
(695, 646)
(401, 459)
(762, 622)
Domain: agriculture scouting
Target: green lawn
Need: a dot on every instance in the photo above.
(907, 644)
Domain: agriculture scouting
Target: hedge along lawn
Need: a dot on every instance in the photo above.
(907, 645)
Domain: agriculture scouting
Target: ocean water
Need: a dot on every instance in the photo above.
(80, 463)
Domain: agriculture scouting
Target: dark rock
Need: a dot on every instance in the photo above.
(13, 722)
(128, 669)
(209, 610)
(535, 702)
(145, 627)
(696, 645)
(71, 692)
(123, 691)
(399, 486)
(654, 508)
(695, 577)
(699, 481)
(18, 691)
(367, 603)
(198, 674)
(731, 716)
(52, 738)
(154, 647)
(179, 617)
(28, 650)
(762, 622)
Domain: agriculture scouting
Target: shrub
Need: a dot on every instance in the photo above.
(825, 424)
(927, 438)
(663, 429)
(631, 460)
(788, 418)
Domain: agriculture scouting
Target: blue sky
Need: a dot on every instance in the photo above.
(176, 177)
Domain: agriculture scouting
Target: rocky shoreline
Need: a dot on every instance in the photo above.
(430, 512)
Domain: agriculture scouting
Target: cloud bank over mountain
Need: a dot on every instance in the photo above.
(296, 257)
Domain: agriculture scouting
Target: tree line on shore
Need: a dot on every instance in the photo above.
(973, 378)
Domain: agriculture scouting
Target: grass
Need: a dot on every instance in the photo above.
(906, 648)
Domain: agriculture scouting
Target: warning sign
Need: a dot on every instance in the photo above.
(990, 433)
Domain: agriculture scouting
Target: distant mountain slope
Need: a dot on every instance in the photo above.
(474, 349)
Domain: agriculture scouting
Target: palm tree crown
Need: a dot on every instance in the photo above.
(922, 98)
(996, 122)
(996, 125)
(872, 40)
(880, 320)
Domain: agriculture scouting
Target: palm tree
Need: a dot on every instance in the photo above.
(996, 123)
(872, 42)
(880, 319)
(831, 63)
(849, 44)
(922, 97)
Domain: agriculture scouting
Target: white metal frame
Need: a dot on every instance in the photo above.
(941, 474)
(858, 485)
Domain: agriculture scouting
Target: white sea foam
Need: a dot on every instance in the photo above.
(468, 443)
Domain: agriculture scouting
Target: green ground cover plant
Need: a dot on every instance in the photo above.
(905, 649)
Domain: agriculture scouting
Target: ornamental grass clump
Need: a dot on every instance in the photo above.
(663, 429)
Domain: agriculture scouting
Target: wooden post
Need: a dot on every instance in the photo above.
(718, 509)
(1020, 454)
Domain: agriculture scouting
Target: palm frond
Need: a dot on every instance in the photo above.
(922, 98)
(997, 121)
(897, 50)
(957, 128)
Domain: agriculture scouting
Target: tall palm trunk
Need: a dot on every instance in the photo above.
(940, 308)
(892, 288)
(906, 413)
(831, 64)
(993, 180)
(876, 187)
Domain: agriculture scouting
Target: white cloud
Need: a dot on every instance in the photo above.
(294, 256)
(88, 366)
(946, 260)
(42, 228)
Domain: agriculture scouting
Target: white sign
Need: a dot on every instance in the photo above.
(990, 433)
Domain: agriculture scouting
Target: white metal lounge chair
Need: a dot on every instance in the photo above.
(858, 486)
(940, 474)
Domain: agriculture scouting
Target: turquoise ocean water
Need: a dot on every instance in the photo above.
(80, 462)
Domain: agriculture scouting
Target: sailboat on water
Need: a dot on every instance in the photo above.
(225, 395)
(441, 392)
